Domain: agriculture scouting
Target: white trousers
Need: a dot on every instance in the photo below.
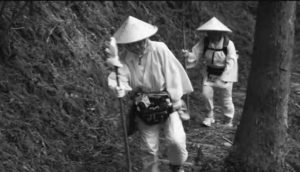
(225, 96)
(176, 142)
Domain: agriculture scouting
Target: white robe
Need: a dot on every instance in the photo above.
(230, 61)
(159, 70)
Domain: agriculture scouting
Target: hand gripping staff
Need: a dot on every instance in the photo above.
(114, 61)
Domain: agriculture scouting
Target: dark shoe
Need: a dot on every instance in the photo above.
(228, 122)
(176, 168)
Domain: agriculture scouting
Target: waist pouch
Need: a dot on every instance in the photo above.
(215, 71)
(153, 108)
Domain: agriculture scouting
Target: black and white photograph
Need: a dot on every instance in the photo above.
(149, 86)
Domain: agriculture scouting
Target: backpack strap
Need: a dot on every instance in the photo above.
(225, 44)
(205, 43)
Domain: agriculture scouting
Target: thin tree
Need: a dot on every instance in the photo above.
(260, 139)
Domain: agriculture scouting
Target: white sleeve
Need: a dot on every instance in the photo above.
(177, 80)
(230, 73)
(194, 56)
(231, 57)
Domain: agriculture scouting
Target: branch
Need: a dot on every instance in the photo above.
(227, 140)
(50, 33)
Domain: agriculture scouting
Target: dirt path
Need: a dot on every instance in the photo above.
(215, 142)
(208, 145)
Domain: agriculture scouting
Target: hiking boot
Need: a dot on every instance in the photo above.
(176, 168)
(208, 121)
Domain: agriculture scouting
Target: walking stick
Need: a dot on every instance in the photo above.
(184, 46)
(116, 63)
(124, 125)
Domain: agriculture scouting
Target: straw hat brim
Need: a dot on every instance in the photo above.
(213, 30)
(134, 30)
(213, 25)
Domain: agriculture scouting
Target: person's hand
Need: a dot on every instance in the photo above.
(120, 91)
(177, 105)
(112, 48)
(185, 53)
(111, 51)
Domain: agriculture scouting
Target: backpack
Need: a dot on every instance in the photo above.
(211, 70)
(224, 49)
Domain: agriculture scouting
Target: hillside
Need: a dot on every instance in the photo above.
(57, 113)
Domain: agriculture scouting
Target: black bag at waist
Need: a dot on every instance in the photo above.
(215, 71)
(153, 108)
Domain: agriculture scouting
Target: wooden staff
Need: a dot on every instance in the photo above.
(184, 47)
(124, 124)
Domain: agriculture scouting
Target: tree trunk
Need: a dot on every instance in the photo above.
(260, 139)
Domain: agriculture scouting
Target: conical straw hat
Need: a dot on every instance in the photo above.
(133, 30)
(214, 25)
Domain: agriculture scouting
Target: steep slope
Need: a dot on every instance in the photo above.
(57, 113)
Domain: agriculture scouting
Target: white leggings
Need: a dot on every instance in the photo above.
(225, 95)
(176, 142)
